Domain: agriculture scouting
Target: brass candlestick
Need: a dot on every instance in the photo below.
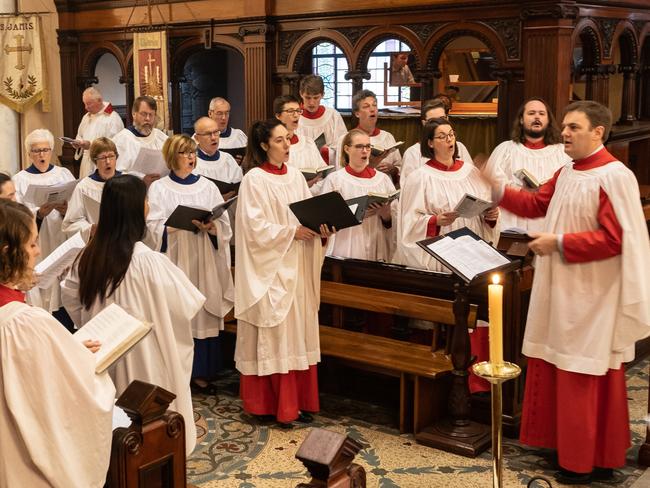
(496, 374)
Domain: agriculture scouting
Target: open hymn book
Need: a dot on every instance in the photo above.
(116, 330)
(466, 254)
(311, 173)
(529, 178)
(377, 150)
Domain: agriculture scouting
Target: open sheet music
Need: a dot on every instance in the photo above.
(464, 253)
(150, 161)
(39, 195)
(58, 261)
(116, 330)
(470, 206)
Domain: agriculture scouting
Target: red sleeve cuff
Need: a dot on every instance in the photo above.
(433, 229)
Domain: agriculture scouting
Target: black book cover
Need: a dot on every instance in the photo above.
(329, 208)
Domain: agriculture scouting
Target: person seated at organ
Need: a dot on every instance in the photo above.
(303, 153)
(430, 194)
(374, 239)
(322, 124)
(55, 411)
(364, 107)
(230, 138)
(412, 158)
(203, 255)
(117, 267)
(103, 155)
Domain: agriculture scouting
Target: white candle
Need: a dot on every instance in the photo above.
(495, 309)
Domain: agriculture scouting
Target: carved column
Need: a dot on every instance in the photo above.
(426, 78)
(644, 99)
(257, 72)
(591, 74)
(127, 81)
(601, 83)
(289, 83)
(511, 96)
(357, 78)
(628, 99)
(176, 81)
(547, 38)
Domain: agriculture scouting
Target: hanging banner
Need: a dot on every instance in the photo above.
(22, 67)
(150, 71)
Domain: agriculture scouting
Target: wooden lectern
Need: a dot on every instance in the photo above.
(151, 451)
(328, 457)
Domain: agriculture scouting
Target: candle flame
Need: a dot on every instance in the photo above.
(495, 279)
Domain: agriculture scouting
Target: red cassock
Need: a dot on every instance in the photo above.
(584, 417)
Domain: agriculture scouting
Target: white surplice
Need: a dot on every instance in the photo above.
(278, 278)
(509, 157)
(76, 218)
(50, 234)
(55, 412)
(429, 191)
(370, 240)
(225, 168)
(233, 139)
(129, 145)
(383, 139)
(412, 159)
(613, 293)
(155, 291)
(305, 155)
(330, 125)
(105, 123)
(207, 268)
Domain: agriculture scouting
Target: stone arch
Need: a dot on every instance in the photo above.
(587, 32)
(625, 39)
(91, 57)
(306, 42)
(371, 39)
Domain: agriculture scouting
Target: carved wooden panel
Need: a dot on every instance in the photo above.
(509, 31)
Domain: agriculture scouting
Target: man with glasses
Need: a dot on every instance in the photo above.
(231, 139)
(412, 159)
(303, 153)
(100, 120)
(141, 135)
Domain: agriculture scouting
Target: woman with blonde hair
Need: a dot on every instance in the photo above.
(204, 255)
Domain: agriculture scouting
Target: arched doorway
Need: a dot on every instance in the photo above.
(108, 73)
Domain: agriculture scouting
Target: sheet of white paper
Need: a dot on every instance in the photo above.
(92, 208)
(353, 208)
(42, 194)
(468, 255)
(150, 161)
(61, 258)
(471, 206)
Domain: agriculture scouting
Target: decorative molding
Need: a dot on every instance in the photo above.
(124, 45)
(425, 31)
(436, 52)
(352, 34)
(607, 27)
(357, 75)
(589, 38)
(286, 42)
(509, 30)
(639, 25)
(558, 11)
(255, 29)
(132, 441)
(175, 424)
(87, 81)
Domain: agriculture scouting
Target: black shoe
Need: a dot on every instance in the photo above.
(208, 389)
(602, 474)
(567, 477)
(305, 418)
(285, 426)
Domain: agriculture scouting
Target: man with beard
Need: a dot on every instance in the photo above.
(142, 134)
(535, 146)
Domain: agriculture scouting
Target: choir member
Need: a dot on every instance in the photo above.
(117, 267)
(589, 302)
(364, 107)
(55, 412)
(303, 152)
(211, 162)
(318, 122)
(7, 187)
(203, 255)
(535, 145)
(142, 134)
(103, 155)
(230, 138)
(431, 193)
(412, 158)
(100, 120)
(278, 263)
(39, 145)
(374, 239)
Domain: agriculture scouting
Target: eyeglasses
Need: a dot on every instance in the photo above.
(210, 134)
(43, 150)
(221, 114)
(187, 154)
(443, 137)
(147, 115)
(361, 147)
(103, 159)
(293, 111)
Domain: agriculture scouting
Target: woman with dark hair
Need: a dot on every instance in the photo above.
(78, 218)
(117, 267)
(7, 187)
(431, 193)
(277, 272)
(46, 379)
(204, 255)
(374, 239)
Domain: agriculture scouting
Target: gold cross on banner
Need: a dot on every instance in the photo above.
(150, 60)
(18, 49)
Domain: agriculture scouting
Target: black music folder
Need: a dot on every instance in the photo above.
(329, 208)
